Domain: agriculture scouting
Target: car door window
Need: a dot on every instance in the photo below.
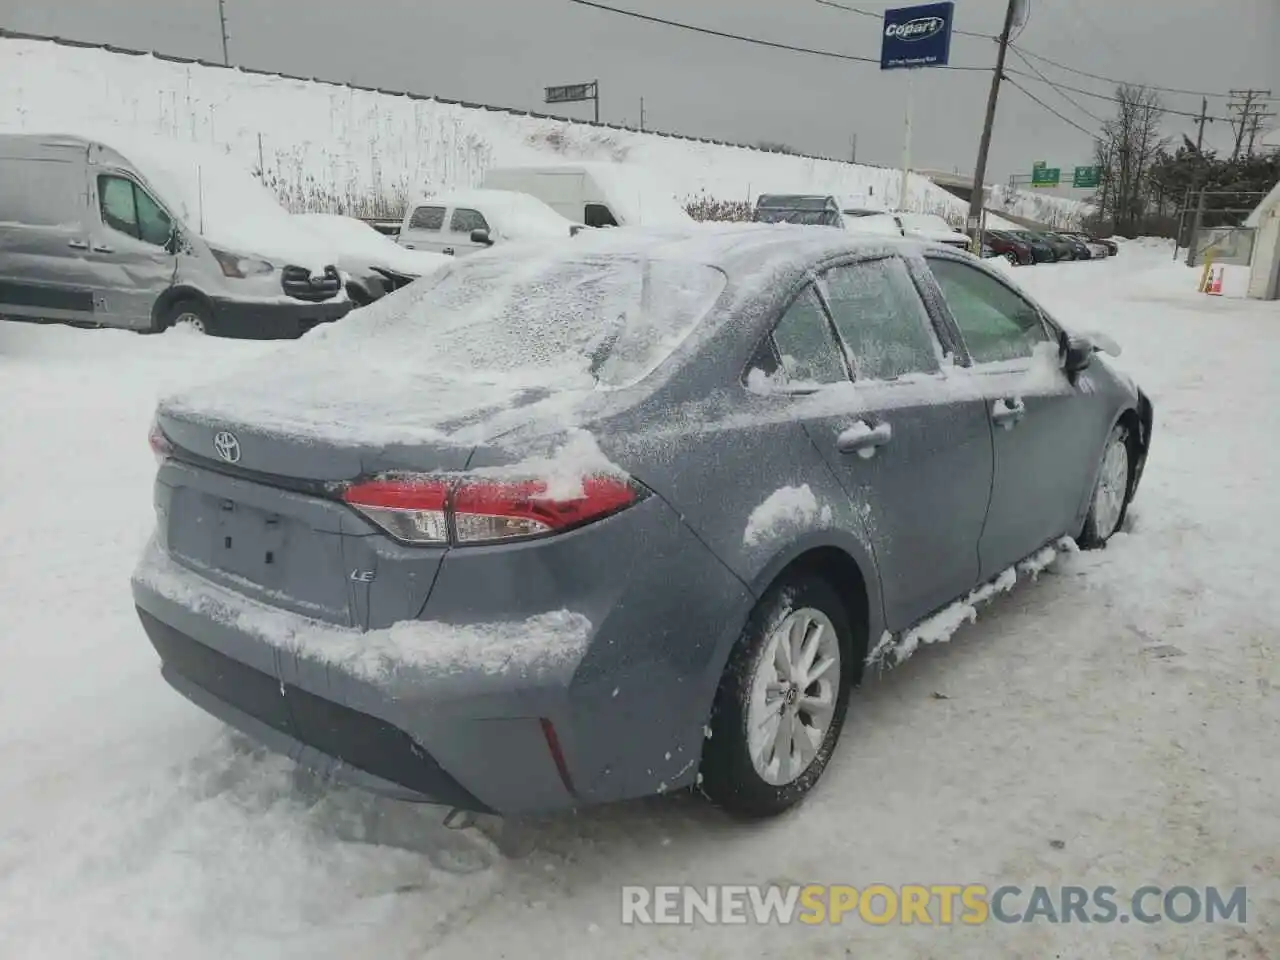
(995, 322)
(154, 225)
(598, 215)
(806, 344)
(881, 319)
(465, 221)
(119, 209)
(427, 218)
(128, 209)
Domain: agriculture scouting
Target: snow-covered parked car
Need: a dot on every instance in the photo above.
(374, 264)
(457, 224)
(638, 520)
(932, 228)
(123, 230)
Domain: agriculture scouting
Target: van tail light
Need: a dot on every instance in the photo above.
(160, 444)
(477, 510)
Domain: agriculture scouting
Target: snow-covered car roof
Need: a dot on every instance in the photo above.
(519, 215)
(357, 241)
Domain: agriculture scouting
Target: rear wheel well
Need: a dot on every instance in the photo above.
(1133, 425)
(174, 295)
(845, 577)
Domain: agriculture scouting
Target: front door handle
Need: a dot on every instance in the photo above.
(864, 439)
(1007, 413)
(77, 245)
(102, 248)
(448, 251)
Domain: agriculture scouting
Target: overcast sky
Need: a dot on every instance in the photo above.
(505, 51)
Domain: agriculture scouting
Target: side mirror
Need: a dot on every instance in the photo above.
(481, 236)
(1077, 354)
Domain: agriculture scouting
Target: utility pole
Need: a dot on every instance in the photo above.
(1204, 116)
(1251, 109)
(853, 148)
(1257, 125)
(222, 17)
(984, 146)
(642, 114)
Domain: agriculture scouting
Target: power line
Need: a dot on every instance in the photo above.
(773, 44)
(1113, 80)
(1064, 119)
(1074, 103)
(880, 16)
(1107, 97)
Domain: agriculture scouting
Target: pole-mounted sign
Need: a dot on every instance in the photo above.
(917, 36)
(914, 37)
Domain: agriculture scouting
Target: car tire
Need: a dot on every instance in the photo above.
(187, 313)
(1013, 259)
(761, 673)
(1109, 502)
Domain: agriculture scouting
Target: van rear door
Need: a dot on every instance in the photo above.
(44, 231)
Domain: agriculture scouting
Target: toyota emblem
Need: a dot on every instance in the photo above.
(227, 446)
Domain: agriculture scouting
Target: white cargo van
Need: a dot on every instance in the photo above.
(597, 194)
(146, 233)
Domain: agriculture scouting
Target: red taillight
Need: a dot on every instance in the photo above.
(412, 510)
(478, 510)
(499, 510)
(160, 444)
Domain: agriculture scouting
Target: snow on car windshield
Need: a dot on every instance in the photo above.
(615, 317)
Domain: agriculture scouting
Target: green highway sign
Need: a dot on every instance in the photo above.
(1086, 177)
(1046, 176)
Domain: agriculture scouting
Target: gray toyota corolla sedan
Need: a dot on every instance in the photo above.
(573, 524)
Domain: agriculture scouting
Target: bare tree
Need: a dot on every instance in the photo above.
(1129, 145)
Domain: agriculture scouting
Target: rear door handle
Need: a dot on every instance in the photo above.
(77, 245)
(102, 248)
(1007, 413)
(864, 439)
(448, 251)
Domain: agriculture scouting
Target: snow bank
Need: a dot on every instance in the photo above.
(942, 626)
(785, 508)
(328, 147)
(545, 642)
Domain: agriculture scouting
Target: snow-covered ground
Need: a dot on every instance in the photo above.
(1113, 722)
(321, 145)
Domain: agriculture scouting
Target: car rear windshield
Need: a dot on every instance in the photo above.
(614, 317)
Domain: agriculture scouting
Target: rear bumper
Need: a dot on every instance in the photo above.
(614, 709)
(275, 320)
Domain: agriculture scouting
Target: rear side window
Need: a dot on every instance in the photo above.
(805, 343)
(42, 193)
(881, 319)
(128, 209)
(995, 322)
(464, 221)
(427, 218)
